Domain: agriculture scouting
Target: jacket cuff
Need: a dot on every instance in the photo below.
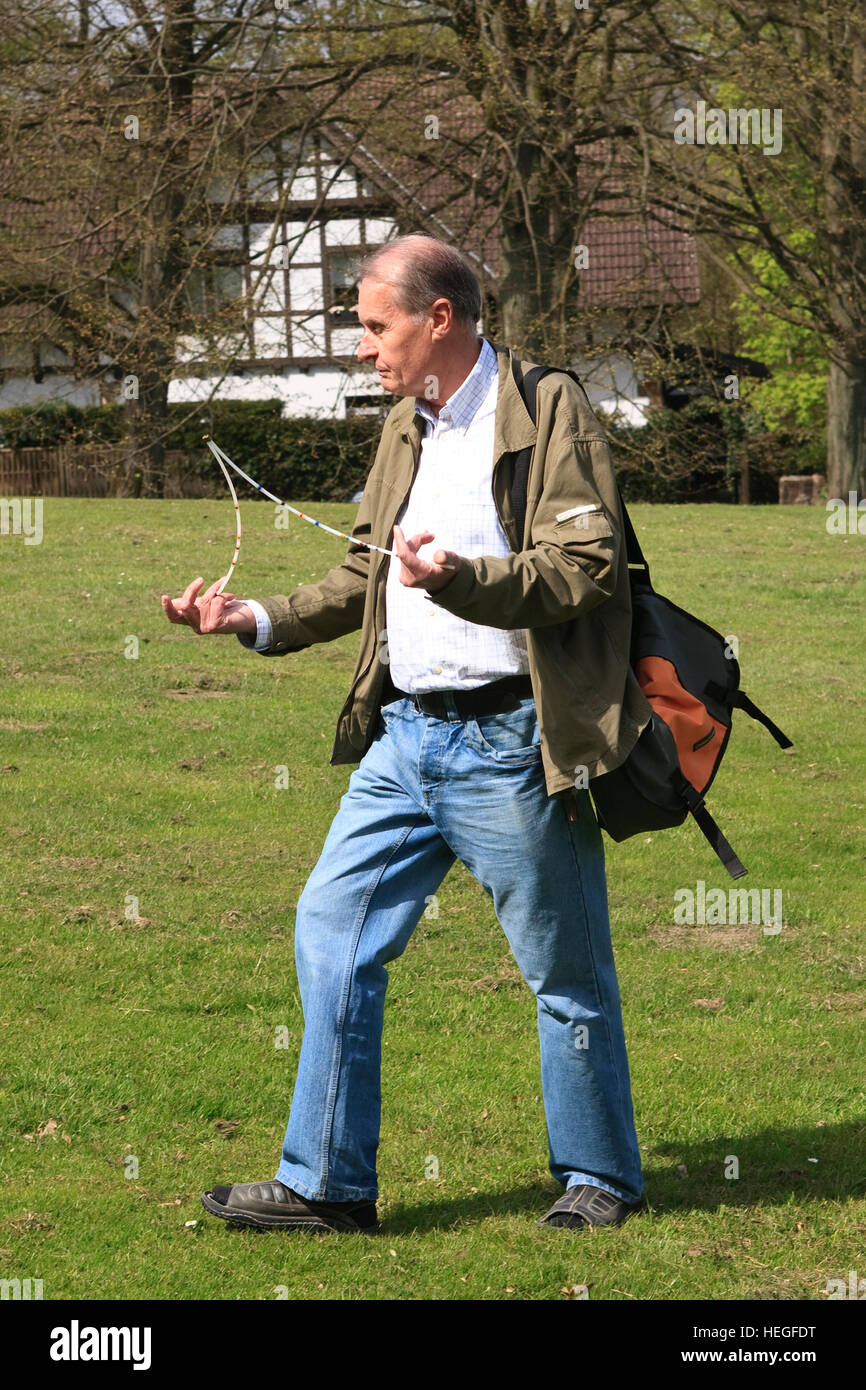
(458, 589)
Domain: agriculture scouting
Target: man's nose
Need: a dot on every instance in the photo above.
(365, 349)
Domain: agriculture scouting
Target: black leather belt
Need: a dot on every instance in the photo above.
(496, 697)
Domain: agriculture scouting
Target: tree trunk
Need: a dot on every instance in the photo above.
(846, 426)
(537, 280)
(844, 156)
(519, 309)
(146, 423)
(162, 259)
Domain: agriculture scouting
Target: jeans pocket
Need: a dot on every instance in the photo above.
(389, 713)
(510, 739)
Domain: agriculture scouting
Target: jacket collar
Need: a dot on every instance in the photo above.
(513, 429)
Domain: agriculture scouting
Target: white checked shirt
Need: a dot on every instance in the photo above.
(452, 496)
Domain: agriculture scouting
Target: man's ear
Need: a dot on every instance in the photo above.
(442, 314)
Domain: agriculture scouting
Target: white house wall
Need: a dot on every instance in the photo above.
(612, 385)
(319, 391)
(315, 390)
(22, 390)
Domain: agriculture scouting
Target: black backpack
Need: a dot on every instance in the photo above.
(689, 678)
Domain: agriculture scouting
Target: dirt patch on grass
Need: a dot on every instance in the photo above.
(506, 977)
(27, 1222)
(840, 1001)
(191, 691)
(719, 938)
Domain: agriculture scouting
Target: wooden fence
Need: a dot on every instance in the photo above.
(65, 471)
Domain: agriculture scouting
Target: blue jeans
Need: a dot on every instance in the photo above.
(427, 791)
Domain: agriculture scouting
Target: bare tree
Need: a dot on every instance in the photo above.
(772, 75)
(552, 113)
(133, 131)
(506, 129)
(504, 124)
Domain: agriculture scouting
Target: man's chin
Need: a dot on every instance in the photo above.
(393, 386)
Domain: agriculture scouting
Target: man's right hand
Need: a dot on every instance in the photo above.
(211, 612)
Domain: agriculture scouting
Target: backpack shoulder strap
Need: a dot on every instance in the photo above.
(738, 699)
(712, 832)
(527, 385)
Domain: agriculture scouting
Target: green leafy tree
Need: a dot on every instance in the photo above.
(796, 393)
(800, 202)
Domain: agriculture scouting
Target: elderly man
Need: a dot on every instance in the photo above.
(493, 681)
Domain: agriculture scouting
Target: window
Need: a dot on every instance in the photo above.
(342, 286)
(286, 279)
(210, 287)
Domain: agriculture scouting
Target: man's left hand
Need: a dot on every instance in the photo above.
(417, 573)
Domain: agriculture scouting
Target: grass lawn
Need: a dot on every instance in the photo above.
(149, 871)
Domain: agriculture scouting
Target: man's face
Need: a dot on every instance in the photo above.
(398, 346)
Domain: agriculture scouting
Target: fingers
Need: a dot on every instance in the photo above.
(420, 538)
(446, 559)
(184, 610)
(213, 610)
(172, 611)
(190, 592)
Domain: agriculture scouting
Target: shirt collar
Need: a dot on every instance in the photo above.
(460, 409)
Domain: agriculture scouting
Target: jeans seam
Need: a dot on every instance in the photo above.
(336, 1061)
(591, 954)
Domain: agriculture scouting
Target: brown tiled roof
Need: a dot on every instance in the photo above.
(54, 225)
(630, 262)
(451, 185)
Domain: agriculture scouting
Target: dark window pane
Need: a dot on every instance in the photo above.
(343, 286)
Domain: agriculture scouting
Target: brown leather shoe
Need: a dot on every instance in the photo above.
(587, 1205)
(268, 1205)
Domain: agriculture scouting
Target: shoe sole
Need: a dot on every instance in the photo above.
(235, 1217)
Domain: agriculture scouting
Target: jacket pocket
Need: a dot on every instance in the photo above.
(582, 523)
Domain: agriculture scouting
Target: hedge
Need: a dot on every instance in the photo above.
(696, 454)
(306, 457)
(692, 454)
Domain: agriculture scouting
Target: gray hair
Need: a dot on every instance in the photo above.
(426, 269)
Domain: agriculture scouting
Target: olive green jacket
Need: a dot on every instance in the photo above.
(569, 586)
